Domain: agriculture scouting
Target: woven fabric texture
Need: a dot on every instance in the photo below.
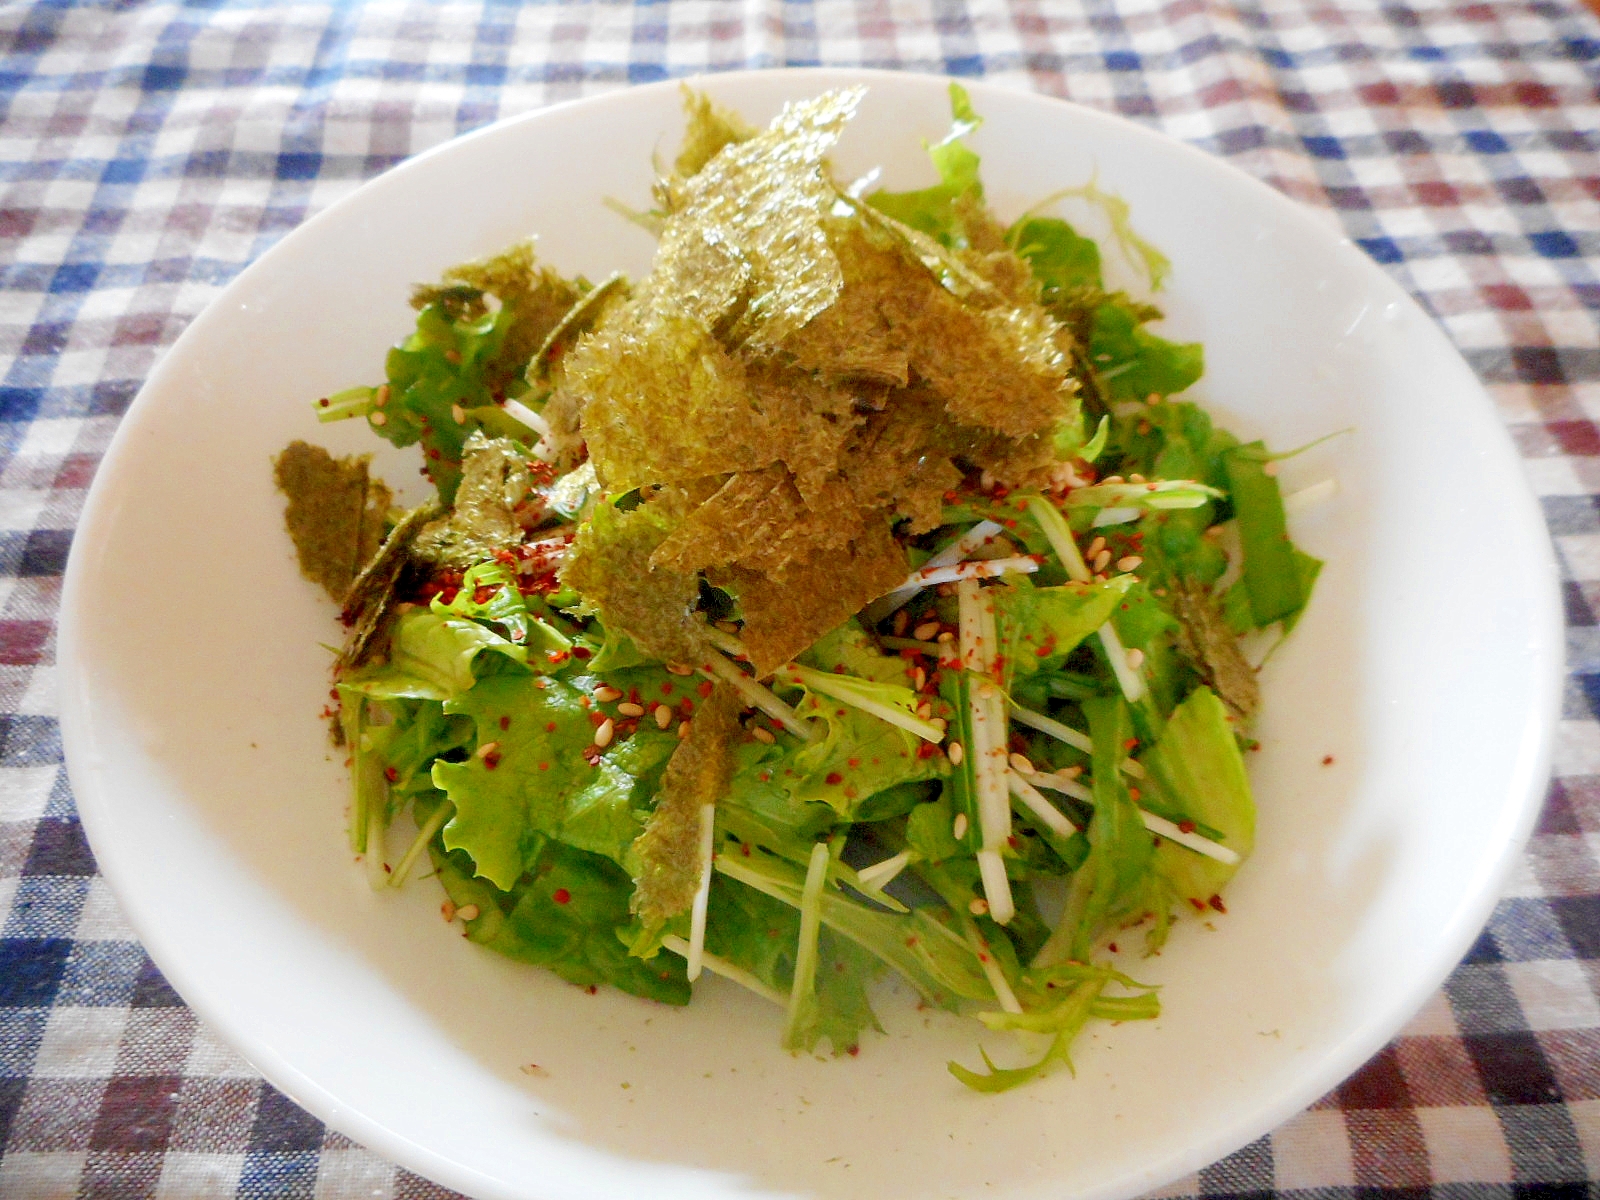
(148, 152)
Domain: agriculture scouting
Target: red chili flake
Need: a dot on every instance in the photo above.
(581, 653)
(598, 718)
(1130, 744)
(686, 706)
(544, 766)
(1011, 840)
(391, 775)
(704, 689)
(745, 849)
(323, 402)
(853, 763)
(433, 454)
(1111, 946)
(505, 722)
(592, 989)
(853, 1051)
(765, 776)
(1327, 760)
(549, 726)
(491, 761)
(1185, 826)
(1199, 905)
(833, 777)
(912, 940)
(1216, 903)
(561, 896)
(557, 657)
(1134, 793)
(666, 688)
(927, 750)
(1009, 522)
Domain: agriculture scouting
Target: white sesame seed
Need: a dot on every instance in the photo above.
(959, 829)
(762, 734)
(605, 693)
(925, 709)
(945, 638)
(926, 631)
(683, 730)
(663, 716)
(978, 906)
(1153, 399)
(1096, 546)
(1021, 764)
(1101, 559)
(901, 620)
(468, 912)
(379, 418)
(919, 679)
(1135, 659)
(1131, 563)
(956, 753)
(458, 414)
(448, 910)
(1114, 479)
(382, 397)
(487, 749)
(1072, 772)
(679, 669)
(629, 709)
(940, 724)
(1136, 478)
(603, 735)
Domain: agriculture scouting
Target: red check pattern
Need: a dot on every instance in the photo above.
(148, 152)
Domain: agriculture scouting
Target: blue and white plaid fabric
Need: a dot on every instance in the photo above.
(149, 151)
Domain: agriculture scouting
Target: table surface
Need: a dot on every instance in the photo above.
(148, 152)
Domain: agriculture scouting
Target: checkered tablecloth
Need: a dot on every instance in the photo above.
(148, 151)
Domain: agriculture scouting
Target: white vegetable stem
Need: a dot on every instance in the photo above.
(963, 547)
(1200, 845)
(718, 965)
(879, 874)
(805, 956)
(1059, 534)
(420, 843)
(1067, 734)
(839, 688)
(756, 695)
(1308, 497)
(978, 568)
(702, 892)
(987, 715)
(1046, 813)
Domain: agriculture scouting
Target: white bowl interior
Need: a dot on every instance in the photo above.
(192, 678)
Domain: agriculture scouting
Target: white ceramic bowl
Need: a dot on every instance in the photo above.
(192, 675)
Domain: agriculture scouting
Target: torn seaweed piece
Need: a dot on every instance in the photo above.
(335, 514)
(533, 299)
(370, 599)
(609, 566)
(710, 128)
(1205, 638)
(665, 859)
(494, 480)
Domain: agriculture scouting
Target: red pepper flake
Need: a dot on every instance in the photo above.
(581, 653)
(1112, 946)
(557, 657)
(666, 688)
(1199, 905)
(853, 763)
(1011, 840)
(912, 941)
(686, 706)
(391, 775)
(544, 766)
(765, 776)
(927, 750)
(592, 990)
(1134, 793)
(854, 1050)
(833, 777)
(1327, 760)
(704, 689)
(745, 849)
(1185, 826)
(1131, 744)
(1216, 903)
(491, 760)
(505, 722)
(323, 402)
(549, 726)
(598, 718)
(561, 896)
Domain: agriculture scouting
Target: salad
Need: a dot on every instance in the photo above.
(848, 595)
